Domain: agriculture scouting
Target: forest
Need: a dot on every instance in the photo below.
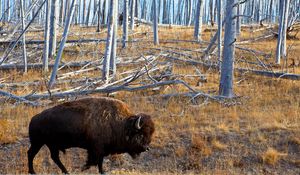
(220, 79)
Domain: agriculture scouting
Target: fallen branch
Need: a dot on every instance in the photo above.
(241, 70)
(17, 98)
(38, 65)
(110, 89)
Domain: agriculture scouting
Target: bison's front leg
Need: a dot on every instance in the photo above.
(55, 157)
(100, 165)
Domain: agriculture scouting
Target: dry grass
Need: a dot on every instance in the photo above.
(272, 156)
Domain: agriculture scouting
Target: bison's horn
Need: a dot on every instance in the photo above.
(137, 123)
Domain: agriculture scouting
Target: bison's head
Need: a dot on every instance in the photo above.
(139, 131)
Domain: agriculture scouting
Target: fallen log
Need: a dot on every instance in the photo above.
(17, 98)
(38, 65)
(110, 89)
(28, 42)
(241, 70)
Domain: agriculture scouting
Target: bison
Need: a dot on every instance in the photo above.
(102, 126)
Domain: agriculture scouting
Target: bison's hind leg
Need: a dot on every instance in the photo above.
(55, 157)
(33, 150)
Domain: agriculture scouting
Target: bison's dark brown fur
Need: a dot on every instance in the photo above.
(102, 126)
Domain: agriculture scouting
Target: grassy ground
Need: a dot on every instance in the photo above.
(260, 134)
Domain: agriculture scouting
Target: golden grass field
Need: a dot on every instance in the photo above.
(257, 133)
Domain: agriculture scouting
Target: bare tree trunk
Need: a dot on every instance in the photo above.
(109, 42)
(280, 31)
(46, 36)
(62, 44)
(238, 20)
(198, 20)
(125, 23)
(132, 14)
(105, 20)
(53, 27)
(113, 59)
(1, 12)
(155, 24)
(88, 14)
(219, 6)
(23, 38)
(62, 12)
(8, 11)
(226, 81)
(190, 13)
(285, 28)
(99, 16)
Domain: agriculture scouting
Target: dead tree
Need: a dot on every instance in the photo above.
(46, 35)
(198, 20)
(155, 24)
(62, 44)
(23, 38)
(53, 27)
(132, 14)
(125, 23)
(110, 41)
(219, 6)
(226, 81)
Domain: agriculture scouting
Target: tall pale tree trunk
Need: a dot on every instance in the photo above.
(125, 23)
(99, 16)
(219, 6)
(280, 31)
(285, 27)
(53, 27)
(109, 41)
(88, 14)
(132, 14)
(62, 12)
(23, 38)
(226, 81)
(198, 20)
(46, 36)
(238, 20)
(83, 11)
(62, 44)
(113, 56)
(155, 23)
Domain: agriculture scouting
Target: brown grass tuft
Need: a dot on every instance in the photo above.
(272, 156)
(201, 144)
(218, 145)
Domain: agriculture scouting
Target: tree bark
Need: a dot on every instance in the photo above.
(132, 14)
(155, 24)
(46, 36)
(23, 38)
(219, 6)
(125, 23)
(109, 42)
(198, 20)
(226, 80)
(53, 27)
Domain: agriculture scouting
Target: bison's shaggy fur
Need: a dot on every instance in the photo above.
(102, 126)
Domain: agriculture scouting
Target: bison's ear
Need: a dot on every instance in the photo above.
(138, 123)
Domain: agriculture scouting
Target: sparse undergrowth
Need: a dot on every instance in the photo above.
(258, 135)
